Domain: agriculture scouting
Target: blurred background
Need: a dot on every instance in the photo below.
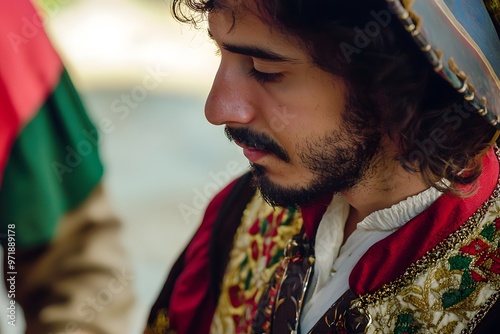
(163, 160)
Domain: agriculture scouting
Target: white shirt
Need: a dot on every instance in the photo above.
(334, 263)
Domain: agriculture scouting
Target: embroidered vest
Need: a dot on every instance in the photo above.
(449, 290)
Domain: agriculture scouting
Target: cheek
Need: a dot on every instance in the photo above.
(282, 120)
(296, 115)
(307, 120)
(304, 107)
(314, 108)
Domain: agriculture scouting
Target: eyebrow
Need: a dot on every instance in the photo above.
(255, 52)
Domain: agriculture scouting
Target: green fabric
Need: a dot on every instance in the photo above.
(52, 168)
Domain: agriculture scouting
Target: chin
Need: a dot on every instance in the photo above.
(293, 194)
(279, 195)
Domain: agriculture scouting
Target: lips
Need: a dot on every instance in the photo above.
(256, 145)
(252, 154)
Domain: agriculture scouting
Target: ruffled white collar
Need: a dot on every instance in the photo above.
(399, 214)
(330, 233)
(335, 261)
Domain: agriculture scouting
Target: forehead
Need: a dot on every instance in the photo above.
(242, 21)
(239, 10)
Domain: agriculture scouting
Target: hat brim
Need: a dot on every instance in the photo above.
(461, 43)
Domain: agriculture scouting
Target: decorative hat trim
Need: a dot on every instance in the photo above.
(415, 24)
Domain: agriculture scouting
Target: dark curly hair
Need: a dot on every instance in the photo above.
(360, 41)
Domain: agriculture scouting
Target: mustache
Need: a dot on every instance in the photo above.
(259, 141)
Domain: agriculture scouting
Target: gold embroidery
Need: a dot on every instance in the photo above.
(451, 287)
(161, 324)
(253, 260)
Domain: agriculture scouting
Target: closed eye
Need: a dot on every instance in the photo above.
(263, 77)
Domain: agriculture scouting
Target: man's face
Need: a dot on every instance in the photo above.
(295, 122)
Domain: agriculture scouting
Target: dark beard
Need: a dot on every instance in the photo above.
(334, 171)
(338, 161)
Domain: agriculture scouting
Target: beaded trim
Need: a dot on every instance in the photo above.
(460, 236)
(463, 237)
(450, 73)
(482, 313)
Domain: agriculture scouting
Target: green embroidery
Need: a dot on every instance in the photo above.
(489, 232)
(406, 324)
(263, 227)
(467, 285)
(459, 262)
(244, 263)
(462, 272)
(291, 213)
(248, 279)
(277, 258)
(463, 263)
(455, 296)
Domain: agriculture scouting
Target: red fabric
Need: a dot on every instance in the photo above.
(192, 306)
(388, 258)
(29, 70)
(312, 214)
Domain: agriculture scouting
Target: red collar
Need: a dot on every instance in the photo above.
(389, 258)
(312, 214)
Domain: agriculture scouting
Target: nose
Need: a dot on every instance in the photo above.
(230, 99)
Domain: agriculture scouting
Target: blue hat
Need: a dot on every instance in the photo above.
(461, 41)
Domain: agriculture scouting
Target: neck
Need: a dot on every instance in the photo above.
(386, 184)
